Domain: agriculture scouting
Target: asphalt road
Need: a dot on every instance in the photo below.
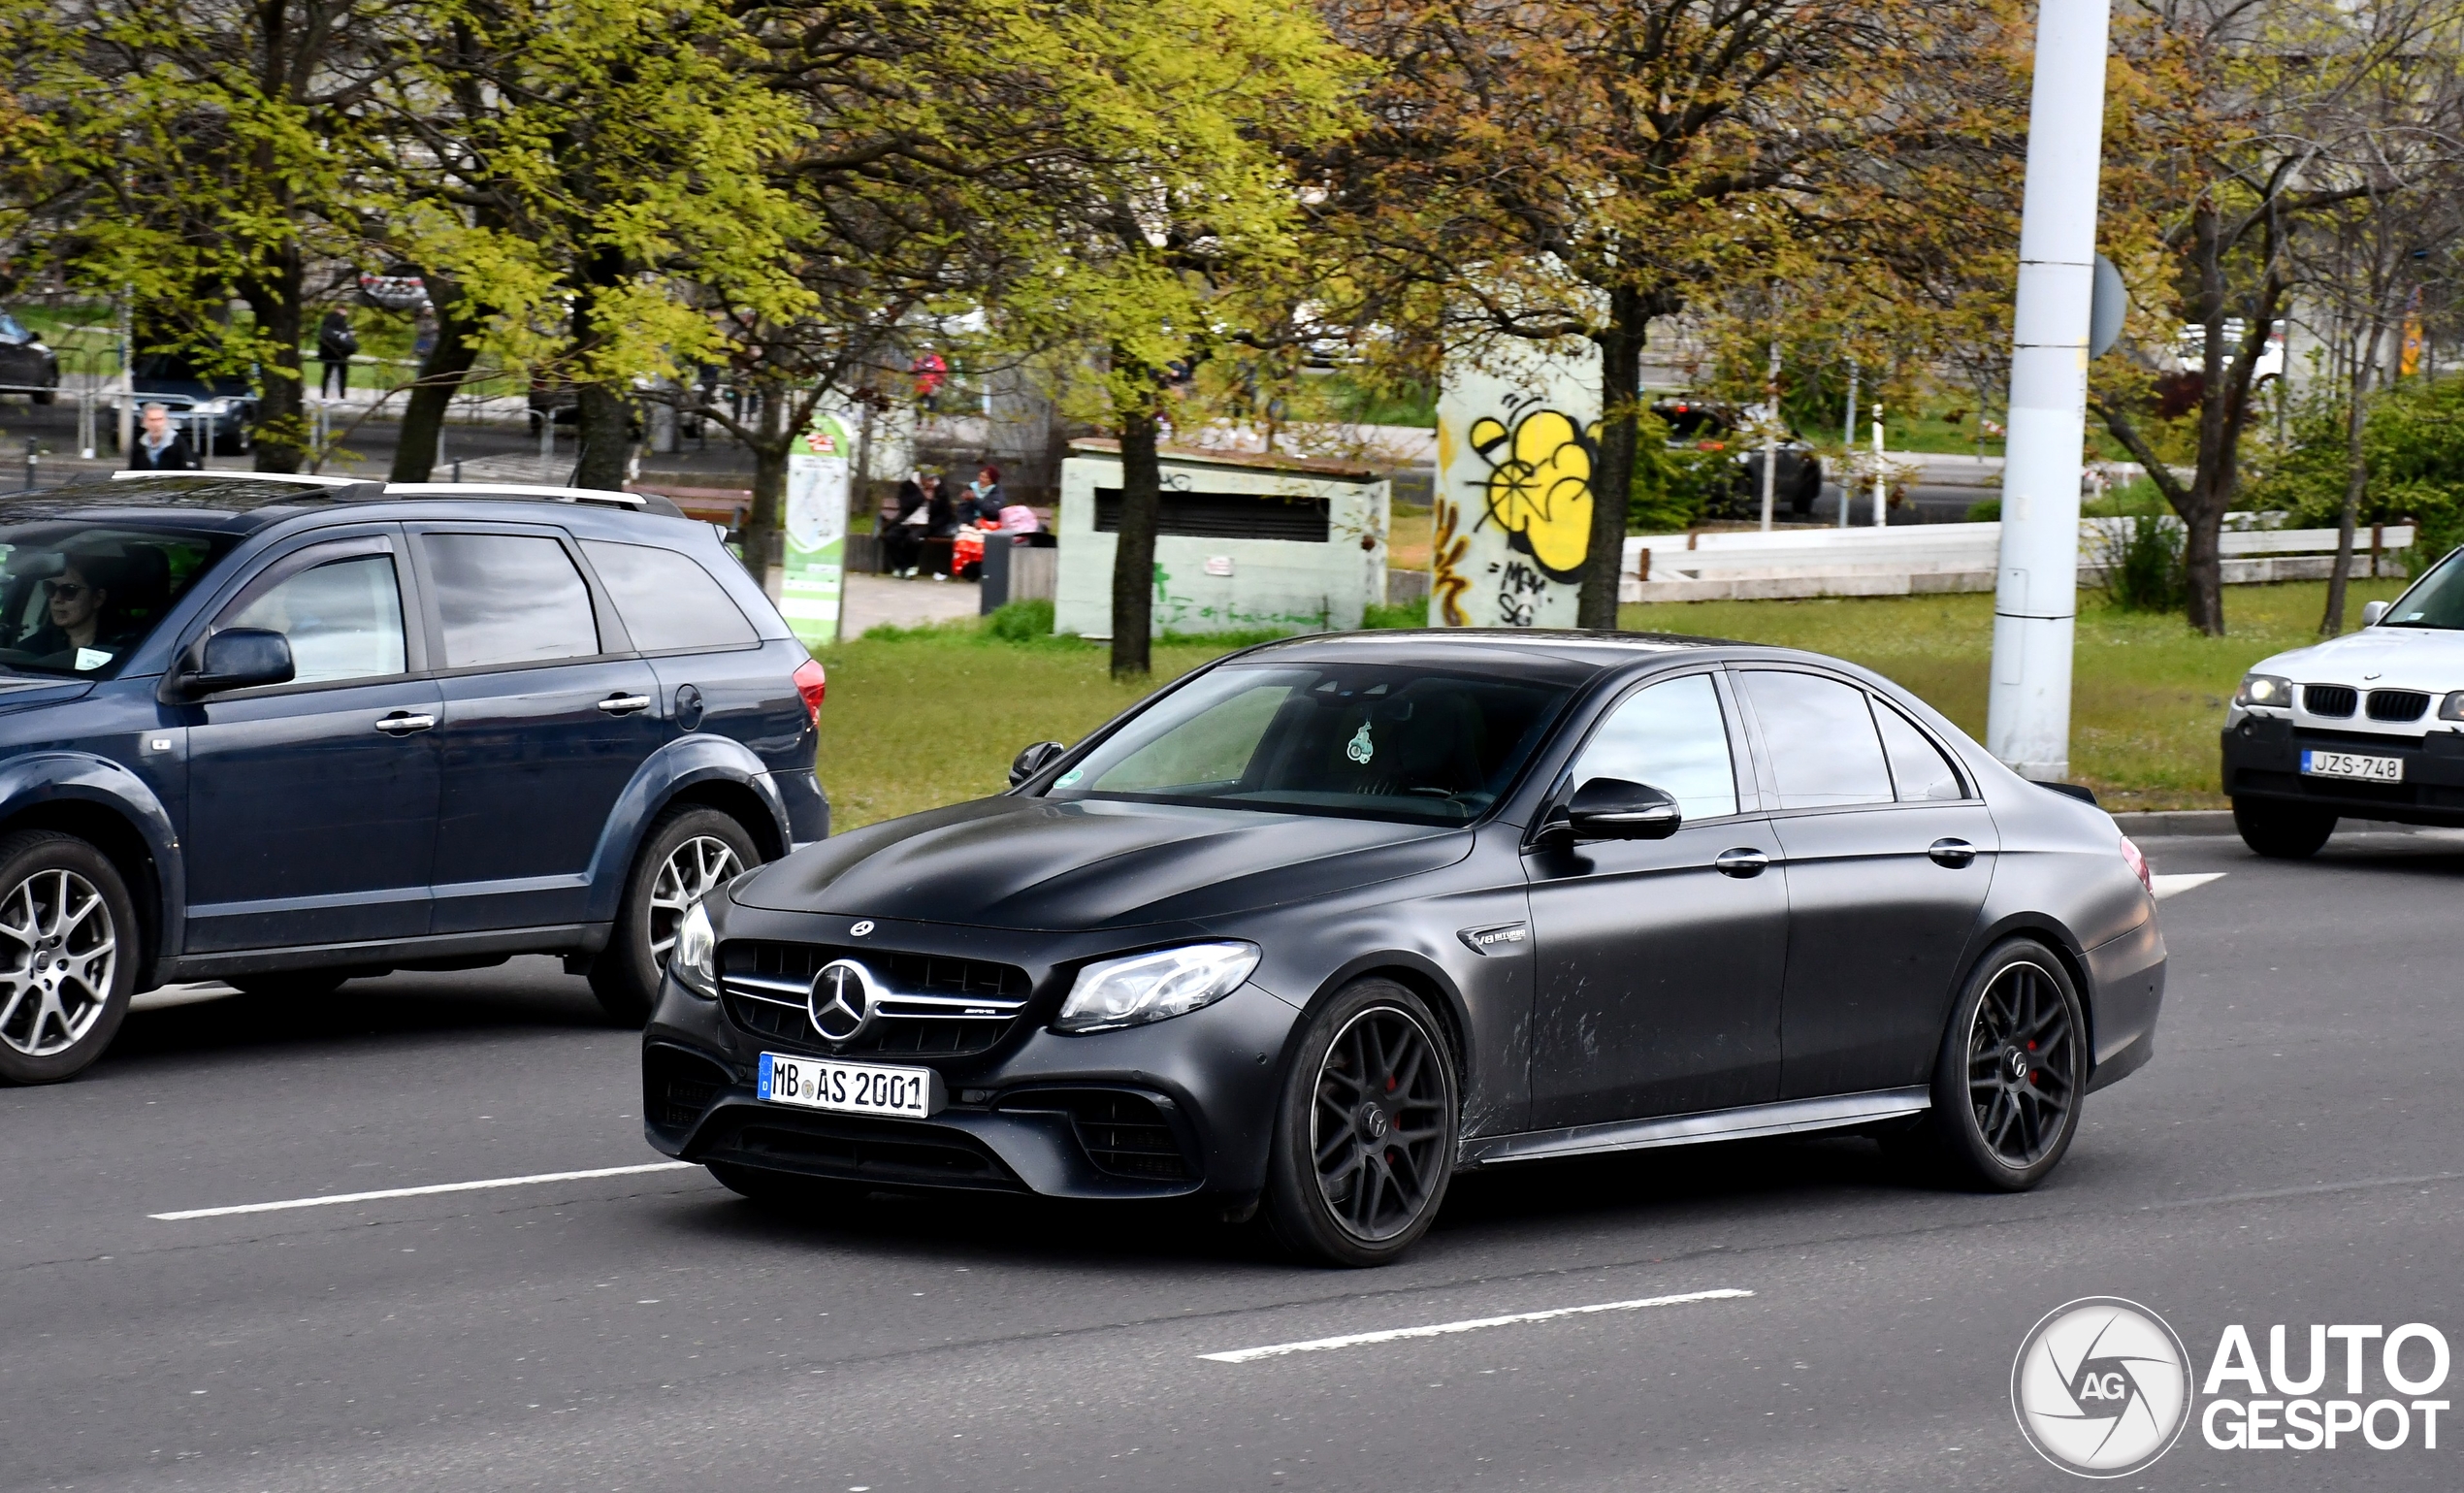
(2294, 1154)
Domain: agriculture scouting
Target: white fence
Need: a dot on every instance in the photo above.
(1925, 558)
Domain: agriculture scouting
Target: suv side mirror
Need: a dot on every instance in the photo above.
(1034, 760)
(239, 658)
(2372, 611)
(1614, 809)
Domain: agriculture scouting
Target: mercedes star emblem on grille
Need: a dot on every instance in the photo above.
(842, 1001)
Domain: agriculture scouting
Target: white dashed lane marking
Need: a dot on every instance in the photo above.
(330, 1199)
(1472, 1324)
(2182, 881)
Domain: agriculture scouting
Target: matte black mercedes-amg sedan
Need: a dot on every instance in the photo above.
(1323, 924)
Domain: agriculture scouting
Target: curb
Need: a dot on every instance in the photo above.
(2170, 821)
(2177, 822)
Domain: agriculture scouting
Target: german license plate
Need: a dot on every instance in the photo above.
(850, 1087)
(2352, 765)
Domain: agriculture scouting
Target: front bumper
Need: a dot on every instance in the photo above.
(1171, 1109)
(2262, 760)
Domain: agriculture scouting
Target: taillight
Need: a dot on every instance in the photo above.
(811, 683)
(2138, 863)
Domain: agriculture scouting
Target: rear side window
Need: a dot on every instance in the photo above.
(1917, 765)
(668, 601)
(505, 599)
(1825, 753)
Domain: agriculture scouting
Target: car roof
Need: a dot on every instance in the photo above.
(242, 502)
(1564, 654)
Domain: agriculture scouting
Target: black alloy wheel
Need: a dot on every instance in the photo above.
(2011, 1074)
(2282, 831)
(1364, 1142)
(689, 853)
(68, 956)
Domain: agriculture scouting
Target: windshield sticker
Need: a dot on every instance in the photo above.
(1361, 750)
(1070, 776)
(96, 658)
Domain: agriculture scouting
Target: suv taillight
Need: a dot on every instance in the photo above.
(811, 683)
(2138, 863)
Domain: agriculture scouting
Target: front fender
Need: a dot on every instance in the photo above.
(674, 768)
(45, 779)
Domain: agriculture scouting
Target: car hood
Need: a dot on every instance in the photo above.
(2430, 660)
(1031, 864)
(23, 694)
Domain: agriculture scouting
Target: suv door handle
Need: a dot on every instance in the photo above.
(1742, 862)
(403, 723)
(625, 705)
(1954, 854)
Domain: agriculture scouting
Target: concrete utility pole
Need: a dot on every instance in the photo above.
(1848, 448)
(2037, 595)
(1770, 433)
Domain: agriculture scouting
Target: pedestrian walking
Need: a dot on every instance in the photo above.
(334, 344)
(159, 447)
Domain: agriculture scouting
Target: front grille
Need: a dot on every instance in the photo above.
(2397, 704)
(935, 1005)
(677, 1086)
(1122, 1133)
(2331, 699)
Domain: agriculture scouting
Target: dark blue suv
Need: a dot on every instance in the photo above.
(286, 730)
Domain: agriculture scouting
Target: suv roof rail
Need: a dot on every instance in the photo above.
(599, 497)
(303, 479)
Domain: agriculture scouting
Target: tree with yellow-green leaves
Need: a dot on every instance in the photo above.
(1537, 170)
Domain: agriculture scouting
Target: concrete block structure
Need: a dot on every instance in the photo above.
(1243, 542)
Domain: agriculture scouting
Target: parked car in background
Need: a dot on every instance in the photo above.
(1319, 925)
(287, 730)
(27, 365)
(1710, 424)
(2369, 725)
(217, 410)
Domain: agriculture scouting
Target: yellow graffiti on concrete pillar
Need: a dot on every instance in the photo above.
(1539, 489)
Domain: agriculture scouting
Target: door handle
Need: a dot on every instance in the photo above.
(1742, 862)
(403, 724)
(625, 705)
(1954, 854)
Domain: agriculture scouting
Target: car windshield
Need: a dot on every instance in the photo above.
(1375, 740)
(78, 597)
(2435, 601)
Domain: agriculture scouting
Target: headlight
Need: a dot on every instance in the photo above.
(1150, 986)
(691, 959)
(2265, 690)
(2452, 708)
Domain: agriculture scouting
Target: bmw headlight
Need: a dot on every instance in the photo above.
(1150, 986)
(2265, 690)
(693, 958)
(2452, 708)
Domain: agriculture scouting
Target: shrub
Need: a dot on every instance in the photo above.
(1407, 614)
(2143, 569)
(1020, 622)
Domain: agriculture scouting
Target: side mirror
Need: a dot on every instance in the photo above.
(1614, 809)
(240, 659)
(2372, 611)
(1034, 760)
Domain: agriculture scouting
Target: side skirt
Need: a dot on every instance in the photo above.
(1786, 1118)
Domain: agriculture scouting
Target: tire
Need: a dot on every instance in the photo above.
(69, 954)
(292, 985)
(1355, 1178)
(45, 397)
(2282, 831)
(787, 1191)
(689, 853)
(2010, 1076)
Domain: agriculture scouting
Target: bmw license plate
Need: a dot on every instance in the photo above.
(2352, 765)
(850, 1087)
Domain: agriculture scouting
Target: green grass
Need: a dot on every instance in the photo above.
(926, 716)
(2148, 694)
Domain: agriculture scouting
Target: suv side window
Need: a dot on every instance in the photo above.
(668, 601)
(343, 619)
(1820, 733)
(508, 599)
(1673, 736)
